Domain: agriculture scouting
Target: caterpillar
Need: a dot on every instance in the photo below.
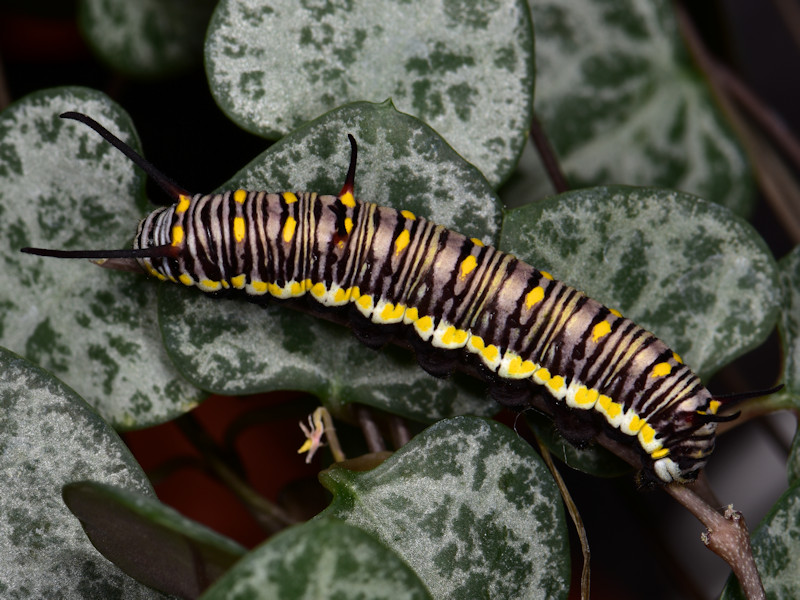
(392, 275)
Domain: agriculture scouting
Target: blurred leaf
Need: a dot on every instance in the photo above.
(465, 68)
(147, 38)
(62, 186)
(622, 102)
(469, 506)
(323, 559)
(48, 437)
(149, 540)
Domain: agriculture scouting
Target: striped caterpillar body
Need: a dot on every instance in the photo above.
(392, 275)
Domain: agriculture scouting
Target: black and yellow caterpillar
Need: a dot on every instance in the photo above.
(460, 304)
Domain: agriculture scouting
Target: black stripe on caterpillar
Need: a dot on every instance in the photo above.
(390, 274)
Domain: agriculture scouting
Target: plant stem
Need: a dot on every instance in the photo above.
(270, 516)
(370, 429)
(548, 156)
(575, 515)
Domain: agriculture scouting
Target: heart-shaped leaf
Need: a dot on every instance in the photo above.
(62, 186)
(48, 437)
(149, 540)
(469, 506)
(324, 559)
(465, 68)
(622, 102)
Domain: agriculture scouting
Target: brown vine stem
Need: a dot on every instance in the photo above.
(726, 534)
(369, 428)
(548, 156)
(775, 178)
(271, 517)
(790, 14)
(575, 515)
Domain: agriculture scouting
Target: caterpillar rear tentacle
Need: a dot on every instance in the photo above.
(393, 275)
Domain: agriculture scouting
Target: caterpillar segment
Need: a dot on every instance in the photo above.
(393, 275)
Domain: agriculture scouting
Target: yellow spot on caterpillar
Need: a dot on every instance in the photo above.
(355, 293)
(238, 229)
(519, 368)
(600, 330)
(149, 268)
(635, 425)
(207, 285)
(239, 196)
(411, 316)
(177, 235)
(475, 344)
(468, 265)
(677, 358)
(424, 324)
(608, 406)
(660, 453)
(615, 312)
(534, 296)
(546, 275)
(476, 241)
(183, 204)
(542, 376)
(296, 288)
(392, 312)
(401, 242)
(348, 225)
(713, 406)
(274, 289)
(341, 296)
(490, 353)
(186, 279)
(318, 290)
(288, 229)
(348, 199)
(454, 337)
(408, 215)
(586, 397)
(365, 301)
(556, 383)
(289, 198)
(238, 282)
(647, 434)
(259, 287)
(661, 369)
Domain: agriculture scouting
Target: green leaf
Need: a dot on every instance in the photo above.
(48, 437)
(150, 38)
(690, 271)
(622, 102)
(463, 67)
(62, 186)
(789, 328)
(237, 348)
(776, 546)
(323, 559)
(150, 541)
(469, 506)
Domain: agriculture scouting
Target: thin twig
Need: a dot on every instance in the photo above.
(790, 15)
(370, 429)
(271, 517)
(399, 431)
(726, 535)
(575, 515)
(775, 178)
(548, 156)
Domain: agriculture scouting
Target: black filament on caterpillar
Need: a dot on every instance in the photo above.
(458, 303)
